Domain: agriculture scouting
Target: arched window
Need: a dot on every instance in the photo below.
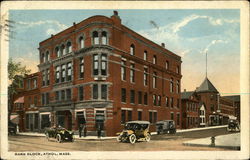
(145, 55)
(62, 50)
(177, 86)
(69, 47)
(42, 58)
(167, 65)
(57, 52)
(81, 42)
(154, 59)
(104, 37)
(47, 56)
(132, 49)
(95, 37)
(172, 85)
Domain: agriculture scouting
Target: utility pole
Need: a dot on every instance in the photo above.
(206, 64)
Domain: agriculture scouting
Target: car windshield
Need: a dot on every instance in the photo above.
(135, 126)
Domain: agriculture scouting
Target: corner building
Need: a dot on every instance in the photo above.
(99, 72)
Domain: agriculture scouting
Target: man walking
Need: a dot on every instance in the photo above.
(80, 130)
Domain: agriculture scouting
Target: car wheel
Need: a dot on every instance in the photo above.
(148, 137)
(58, 138)
(119, 139)
(47, 136)
(132, 138)
(158, 132)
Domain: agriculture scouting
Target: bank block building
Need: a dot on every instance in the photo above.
(99, 72)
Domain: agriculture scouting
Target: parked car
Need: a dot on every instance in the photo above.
(134, 131)
(165, 126)
(12, 128)
(59, 133)
(233, 125)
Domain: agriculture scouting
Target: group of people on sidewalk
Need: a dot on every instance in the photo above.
(82, 127)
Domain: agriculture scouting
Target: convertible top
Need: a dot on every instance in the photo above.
(139, 122)
(163, 121)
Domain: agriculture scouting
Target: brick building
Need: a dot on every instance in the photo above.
(99, 72)
(190, 109)
(236, 103)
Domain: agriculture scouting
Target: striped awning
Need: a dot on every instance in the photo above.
(20, 100)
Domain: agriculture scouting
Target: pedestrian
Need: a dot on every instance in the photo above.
(84, 130)
(80, 130)
(99, 131)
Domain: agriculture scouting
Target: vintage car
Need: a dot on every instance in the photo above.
(59, 133)
(233, 125)
(12, 128)
(134, 131)
(165, 126)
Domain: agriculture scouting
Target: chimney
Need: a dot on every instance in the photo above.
(74, 23)
(116, 19)
(163, 45)
(115, 13)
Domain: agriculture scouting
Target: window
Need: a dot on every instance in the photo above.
(145, 99)
(104, 37)
(69, 71)
(81, 93)
(95, 64)
(104, 91)
(139, 97)
(172, 116)
(145, 55)
(178, 119)
(154, 59)
(159, 100)
(178, 103)
(48, 76)
(104, 64)
(132, 96)
(123, 70)
(95, 91)
(57, 74)
(63, 74)
(123, 116)
(43, 99)
(167, 65)
(154, 80)
(172, 102)
(139, 115)
(69, 47)
(212, 107)
(132, 49)
(81, 66)
(47, 56)
(95, 37)
(178, 69)
(129, 115)
(62, 95)
(35, 83)
(81, 42)
(42, 58)
(57, 52)
(151, 117)
(171, 85)
(63, 52)
(68, 94)
(28, 84)
(145, 76)
(123, 98)
(132, 73)
(154, 100)
(177, 86)
(44, 78)
(167, 102)
(47, 98)
(35, 100)
(57, 96)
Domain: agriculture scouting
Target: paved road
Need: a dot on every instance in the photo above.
(157, 143)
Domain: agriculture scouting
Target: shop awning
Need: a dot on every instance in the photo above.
(19, 100)
(14, 118)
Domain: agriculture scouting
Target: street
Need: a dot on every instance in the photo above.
(158, 143)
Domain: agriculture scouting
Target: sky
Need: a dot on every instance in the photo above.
(189, 33)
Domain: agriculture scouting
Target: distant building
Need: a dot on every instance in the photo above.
(236, 103)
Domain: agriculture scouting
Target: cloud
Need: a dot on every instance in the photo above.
(213, 42)
(30, 63)
(176, 27)
(183, 53)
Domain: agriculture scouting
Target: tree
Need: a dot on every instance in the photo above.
(16, 73)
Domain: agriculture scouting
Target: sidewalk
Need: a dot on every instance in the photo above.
(230, 141)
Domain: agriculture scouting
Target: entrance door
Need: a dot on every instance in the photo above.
(31, 122)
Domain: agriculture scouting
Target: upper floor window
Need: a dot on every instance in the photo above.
(69, 47)
(132, 49)
(81, 67)
(123, 95)
(62, 50)
(47, 56)
(145, 76)
(81, 93)
(159, 100)
(81, 42)
(154, 100)
(57, 52)
(42, 58)
(167, 65)
(154, 80)
(177, 86)
(100, 91)
(48, 76)
(145, 98)
(69, 71)
(171, 85)
(100, 64)
(177, 69)
(43, 78)
(95, 37)
(57, 74)
(154, 59)
(63, 72)
(145, 55)
(132, 73)
(167, 103)
(132, 96)
(35, 83)
(104, 37)
(123, 70)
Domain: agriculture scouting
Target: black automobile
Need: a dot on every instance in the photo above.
(59, 133)
(165, 126)
(233, 125)
(12, 128)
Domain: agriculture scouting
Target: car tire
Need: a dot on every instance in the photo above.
(58, 138)
(47, 136)
(158, 132)
(119, 139)
(148, 137)
(132, 138)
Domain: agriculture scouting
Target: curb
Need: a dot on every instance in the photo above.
(206, 145)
